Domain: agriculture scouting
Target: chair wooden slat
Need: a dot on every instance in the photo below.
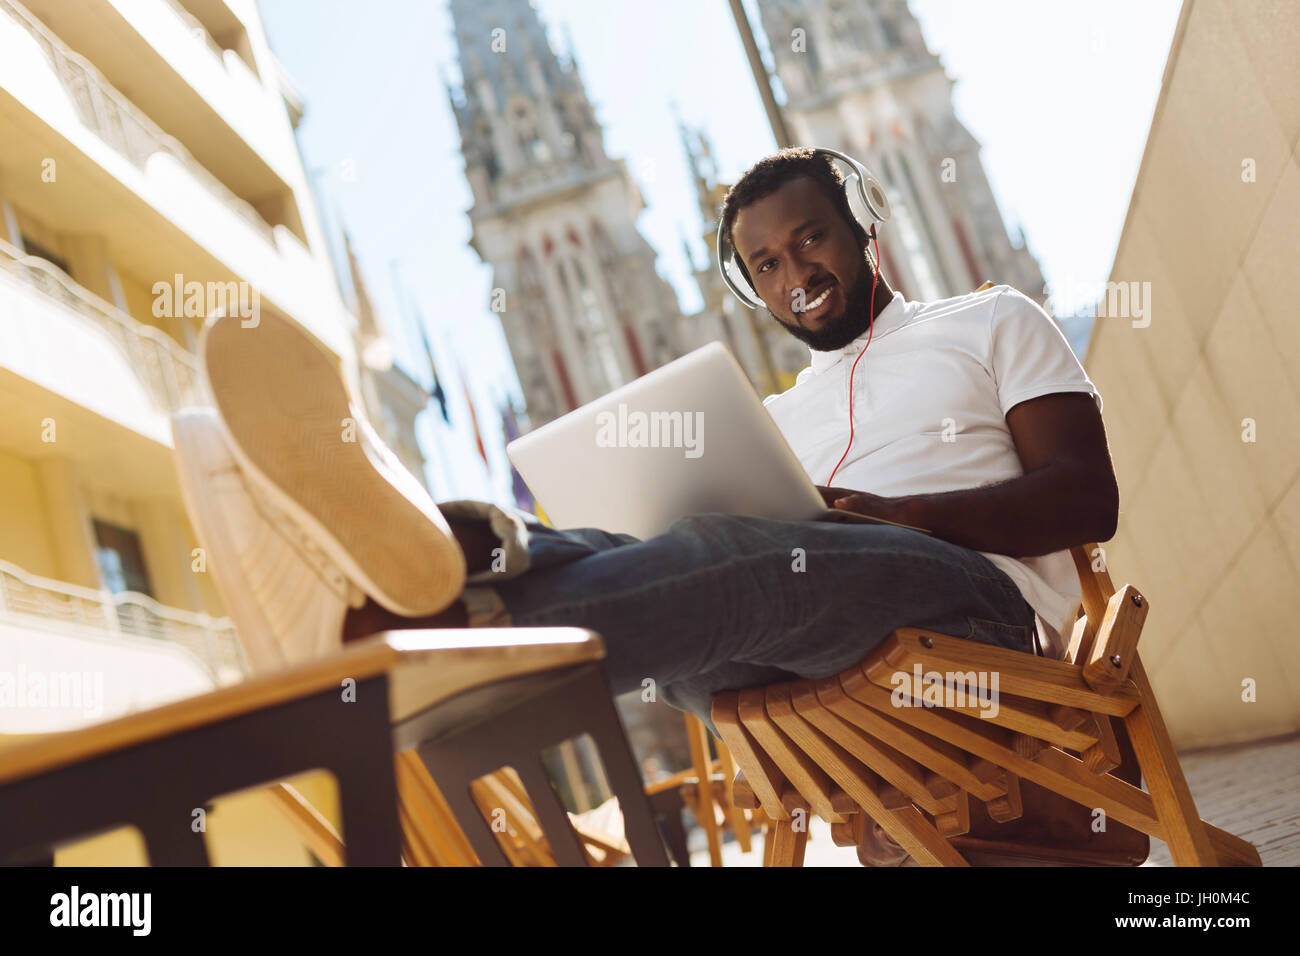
(315, 830)
(870, 708)
(740, 824)
(1020, 674)
(763, 778)
(931, 792)
(800, 769)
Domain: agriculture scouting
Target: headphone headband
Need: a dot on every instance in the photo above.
(867, 202)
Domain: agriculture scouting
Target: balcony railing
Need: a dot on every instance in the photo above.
(43, 604)
(197, 29)
(168, 372)
(118, 121)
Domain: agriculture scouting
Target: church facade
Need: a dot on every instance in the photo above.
(582, 306)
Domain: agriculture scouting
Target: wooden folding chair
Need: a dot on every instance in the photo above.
(705, 788)
(477, 707)
(843, 748)
(433, 837)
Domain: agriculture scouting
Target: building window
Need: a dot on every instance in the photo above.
(33, 248)
(530, 140)
(593, 319)
(931, 236)
(904, 226)
(890, 30)
(120, 559)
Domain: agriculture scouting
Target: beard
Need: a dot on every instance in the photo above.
(838, 331)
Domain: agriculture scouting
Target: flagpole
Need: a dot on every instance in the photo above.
(775, 117)
(449, 491)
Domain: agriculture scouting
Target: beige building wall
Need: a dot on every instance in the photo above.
(1202, 392)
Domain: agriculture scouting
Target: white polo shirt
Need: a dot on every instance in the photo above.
(930, 400)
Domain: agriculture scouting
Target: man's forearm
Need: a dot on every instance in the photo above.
(1038, 513)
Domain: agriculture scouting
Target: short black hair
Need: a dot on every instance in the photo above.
(771, 173)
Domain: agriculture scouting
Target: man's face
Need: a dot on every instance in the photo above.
(795, 239)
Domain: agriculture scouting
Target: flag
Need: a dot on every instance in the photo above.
(523, 497)
(436, 392)
(473, 416)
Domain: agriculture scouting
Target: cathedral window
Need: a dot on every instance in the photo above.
(889, 27)
(530, 140)
(903, 224)
(593, 330)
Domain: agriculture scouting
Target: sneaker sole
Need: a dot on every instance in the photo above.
(199, 453)
(287, 411)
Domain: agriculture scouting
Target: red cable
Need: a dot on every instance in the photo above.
(870, 330)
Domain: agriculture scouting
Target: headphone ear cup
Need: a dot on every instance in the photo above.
(733, 276)
(747, 293)
(853, 193)
(877, 201)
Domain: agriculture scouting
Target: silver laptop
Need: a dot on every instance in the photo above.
(688, 438)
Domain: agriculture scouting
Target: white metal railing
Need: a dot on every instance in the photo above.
(168, 372)
(197, 29)
(118, 121)
(35, 602)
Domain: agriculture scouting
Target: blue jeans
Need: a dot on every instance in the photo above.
(721, 602)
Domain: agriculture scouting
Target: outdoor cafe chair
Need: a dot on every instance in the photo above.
(839, 747)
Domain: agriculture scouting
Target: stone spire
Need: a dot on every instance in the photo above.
(859, 77)
(581, 303)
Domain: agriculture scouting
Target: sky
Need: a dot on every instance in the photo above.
(1060, 94)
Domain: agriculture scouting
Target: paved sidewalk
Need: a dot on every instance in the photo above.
(1250, 790)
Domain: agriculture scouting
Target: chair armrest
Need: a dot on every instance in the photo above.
(363, 660)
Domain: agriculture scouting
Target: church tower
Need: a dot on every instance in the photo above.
(858, 77)
(582, 306)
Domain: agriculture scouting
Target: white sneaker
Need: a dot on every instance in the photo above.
(308, 452)
(285, 596)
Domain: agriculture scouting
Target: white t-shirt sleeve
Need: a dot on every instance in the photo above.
(1030, 356)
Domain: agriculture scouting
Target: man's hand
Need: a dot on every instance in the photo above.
(830, 494)
(865, 503)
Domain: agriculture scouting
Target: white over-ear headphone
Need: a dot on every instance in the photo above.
(867, 202)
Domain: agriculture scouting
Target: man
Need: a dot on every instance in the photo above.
(971, 418)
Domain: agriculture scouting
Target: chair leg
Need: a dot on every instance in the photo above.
(172, 843)
(668, 806)
(466, 811)
(1184, 830)
(428, 811)
(739, 823)
(625, 780)
(697, 735)
(785, 845)
(546, 710)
